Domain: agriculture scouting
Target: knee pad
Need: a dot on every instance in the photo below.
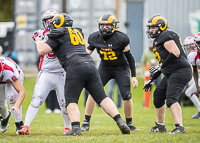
(36, 102)
(158, 103)
(127, 97)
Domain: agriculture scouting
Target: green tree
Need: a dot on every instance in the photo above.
(6, 10)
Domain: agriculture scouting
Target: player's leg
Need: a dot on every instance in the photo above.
(60, 82)
(177, 82)
(74, 78)
(90, 104)
(11, 96)
(159, 103)
(95, 88)
(190, 92)
(122, 76)
(40, 93)
(5, 113)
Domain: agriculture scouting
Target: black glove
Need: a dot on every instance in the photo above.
(147, 86)
(56, 32)
(155, 68)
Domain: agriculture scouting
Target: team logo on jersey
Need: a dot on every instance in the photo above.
(109, 45)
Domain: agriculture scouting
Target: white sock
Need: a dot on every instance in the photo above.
(30, 115)
(18, 117)
(161, 124)
(4, 110)
(66, 118)
(196, 101)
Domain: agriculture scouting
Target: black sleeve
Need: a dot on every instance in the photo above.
(155, 75)
(91, 48)
(52, 43)
(131, 62)
(170, 58)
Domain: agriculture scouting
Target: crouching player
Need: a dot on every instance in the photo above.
(12, 90)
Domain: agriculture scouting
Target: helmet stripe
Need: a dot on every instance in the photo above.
(100, 20)
(156, 18)
(61, 20)
(110, 19)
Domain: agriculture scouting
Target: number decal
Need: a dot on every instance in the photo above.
(156, 54)
(76, 37)
(14, 78)
(108, 55)
(51, 55)
(180, 41)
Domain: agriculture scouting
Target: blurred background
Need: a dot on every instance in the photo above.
(19, 18)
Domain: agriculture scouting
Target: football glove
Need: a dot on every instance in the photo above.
(155, 68)
(37, 33)
(56, 32)
(148, 85)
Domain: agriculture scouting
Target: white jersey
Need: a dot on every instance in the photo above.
(194, 58)
(11, 71)
(49, 62)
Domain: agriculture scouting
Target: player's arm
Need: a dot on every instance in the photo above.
(174, 51)
(21, 95)
(196, 76)
(131, 62)
(89, 49)
(42, 48)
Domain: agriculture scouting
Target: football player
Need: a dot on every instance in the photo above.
(177, 72)
(68, 45)
(50, 77)
(116, 62)
(194, 59)
(11, 89)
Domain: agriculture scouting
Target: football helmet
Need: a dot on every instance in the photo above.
(188, 44)
(197, 41)
(156, 21)
(61, 20)
(47, 15)
(107, 19)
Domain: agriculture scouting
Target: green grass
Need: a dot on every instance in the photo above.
(49, 127)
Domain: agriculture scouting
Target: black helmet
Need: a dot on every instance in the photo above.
(156, 21)
(61, 20)
(107, 19)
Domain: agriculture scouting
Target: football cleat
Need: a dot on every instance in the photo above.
(76, 131)
(196, 116)
(178, 130)
(4, 122)
(158, 128)
(66, 130)
(132, 128)
(123, 126)
(18, 126)
(85, 126)
(24, 130)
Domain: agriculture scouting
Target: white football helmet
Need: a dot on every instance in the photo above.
(188, 44)
(47, 15)
(197, 40)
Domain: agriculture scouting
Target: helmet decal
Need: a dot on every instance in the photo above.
(58, 20)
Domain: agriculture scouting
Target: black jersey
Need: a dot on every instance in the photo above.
(68, 46)
(161, 53)
(110, 51)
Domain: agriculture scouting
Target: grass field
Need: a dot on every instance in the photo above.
(49, 127)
